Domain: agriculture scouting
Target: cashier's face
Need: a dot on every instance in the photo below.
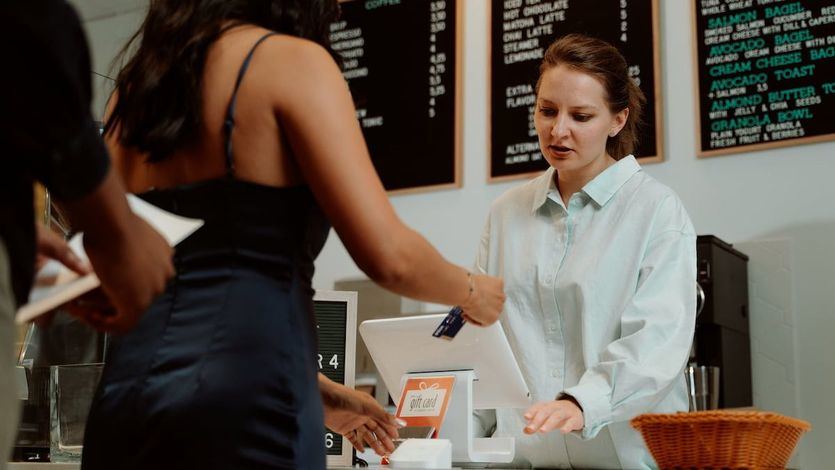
(573, 120)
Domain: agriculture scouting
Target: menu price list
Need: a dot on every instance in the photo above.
(766, 71)
(399, 59)
(522, 30)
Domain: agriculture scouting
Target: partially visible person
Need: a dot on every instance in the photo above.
(599, 261)
(9, 405)
(47, 135)
(235, 112)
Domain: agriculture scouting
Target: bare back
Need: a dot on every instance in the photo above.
(261, 151)
(295, 124)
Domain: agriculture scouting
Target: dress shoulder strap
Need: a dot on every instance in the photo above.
(229, 121)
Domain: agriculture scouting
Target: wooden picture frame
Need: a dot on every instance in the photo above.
(701, 152)
(458, 100)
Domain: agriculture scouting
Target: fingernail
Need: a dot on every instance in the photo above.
(400, 423)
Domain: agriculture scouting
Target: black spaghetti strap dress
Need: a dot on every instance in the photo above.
(221, 371)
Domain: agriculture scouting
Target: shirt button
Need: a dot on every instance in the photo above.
(551, 328)
(555, 373)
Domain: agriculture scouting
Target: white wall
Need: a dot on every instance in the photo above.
(783, 194)
(107, 37)
(773, 325)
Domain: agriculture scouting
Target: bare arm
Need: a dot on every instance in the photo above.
(314, 107)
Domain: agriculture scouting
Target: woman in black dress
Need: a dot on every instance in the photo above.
(235, 112)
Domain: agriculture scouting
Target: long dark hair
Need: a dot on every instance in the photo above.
(604, 62)
(159, 107)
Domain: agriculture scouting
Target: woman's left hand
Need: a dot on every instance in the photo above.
(547, 416)
(93, 308)
(358, 417)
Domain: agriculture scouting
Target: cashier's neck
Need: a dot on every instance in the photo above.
(570, 181)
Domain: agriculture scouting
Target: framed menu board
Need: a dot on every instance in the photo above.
(765, 74)
(521, 31)
(402, 63)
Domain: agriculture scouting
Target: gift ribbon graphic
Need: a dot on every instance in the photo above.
(423, 386)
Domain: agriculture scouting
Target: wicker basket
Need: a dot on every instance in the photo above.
(721, 439)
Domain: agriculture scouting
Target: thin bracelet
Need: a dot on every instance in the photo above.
(471, 285)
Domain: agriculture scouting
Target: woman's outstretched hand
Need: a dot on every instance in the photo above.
(486, 301)
(358, 417)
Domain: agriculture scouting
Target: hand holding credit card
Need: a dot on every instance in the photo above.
(451, 324)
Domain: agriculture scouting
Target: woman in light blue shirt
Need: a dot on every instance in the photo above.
(599, 264)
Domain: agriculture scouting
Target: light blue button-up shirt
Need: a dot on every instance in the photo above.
(601, 302)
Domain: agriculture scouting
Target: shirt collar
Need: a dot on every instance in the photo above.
(607, 183)
(544, 185)
(600, 189)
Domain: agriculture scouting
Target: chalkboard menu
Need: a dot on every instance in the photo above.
(765, 73)
(401, 63)
(521, 31)
(336, 325)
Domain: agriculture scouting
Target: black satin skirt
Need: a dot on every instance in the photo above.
(219, 374)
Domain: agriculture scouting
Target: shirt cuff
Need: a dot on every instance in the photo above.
(593, 396)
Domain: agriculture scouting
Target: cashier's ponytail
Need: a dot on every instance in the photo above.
(605, 63)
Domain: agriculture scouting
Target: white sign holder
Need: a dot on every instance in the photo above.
(458, 423)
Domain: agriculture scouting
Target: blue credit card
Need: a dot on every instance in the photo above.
(451, 324)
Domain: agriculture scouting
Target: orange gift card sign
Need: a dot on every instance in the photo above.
(424, 401)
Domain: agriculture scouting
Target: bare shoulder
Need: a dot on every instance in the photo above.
(285, 71)
(301, 66)
(288, 55)
(287, 66)
(277, 52)
(298, 50)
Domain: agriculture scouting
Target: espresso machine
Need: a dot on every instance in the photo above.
(722, 334)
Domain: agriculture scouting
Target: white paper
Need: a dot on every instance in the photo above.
(56, 284)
